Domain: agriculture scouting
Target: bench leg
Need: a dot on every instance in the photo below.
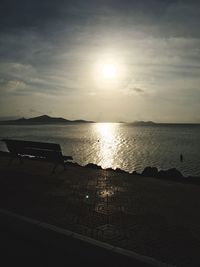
(20, 160)
(55, 166)
(10, 161)
(64, 166)
(12, 158)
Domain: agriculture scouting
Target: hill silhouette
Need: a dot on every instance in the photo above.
(143, 123)
(44, 119)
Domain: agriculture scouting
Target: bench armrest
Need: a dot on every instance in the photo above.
(67, 158)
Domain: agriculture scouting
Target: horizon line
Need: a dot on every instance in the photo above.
(12, 118)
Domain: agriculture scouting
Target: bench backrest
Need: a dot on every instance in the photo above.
(38, 149)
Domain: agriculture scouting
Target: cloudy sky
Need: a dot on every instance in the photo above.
(105, 60)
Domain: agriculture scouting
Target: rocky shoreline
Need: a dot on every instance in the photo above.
(170, 174)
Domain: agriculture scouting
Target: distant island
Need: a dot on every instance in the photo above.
(44, 119)
(144, 123)
(152, 123)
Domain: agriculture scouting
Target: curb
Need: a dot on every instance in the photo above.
(41, 231)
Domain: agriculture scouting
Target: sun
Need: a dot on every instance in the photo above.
(108, 71)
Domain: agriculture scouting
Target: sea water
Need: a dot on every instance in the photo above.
(119, 145)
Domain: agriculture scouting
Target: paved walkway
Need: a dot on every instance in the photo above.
(18, 250)
(155, 218)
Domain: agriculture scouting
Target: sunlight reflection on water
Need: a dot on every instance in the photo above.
(108, 139)
(119, 145)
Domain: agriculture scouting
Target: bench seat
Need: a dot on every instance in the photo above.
(40, 150)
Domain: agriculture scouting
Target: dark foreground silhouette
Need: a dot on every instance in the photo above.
(154, 217)
(18, 249)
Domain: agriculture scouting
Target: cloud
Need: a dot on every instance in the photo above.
(26, 79)
(132, 90)
(48, 48)
(11, 86)
(171, 18)
(138, 90)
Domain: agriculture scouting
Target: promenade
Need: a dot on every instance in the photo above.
(155, 218)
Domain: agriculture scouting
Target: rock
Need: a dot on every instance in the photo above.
(72, 163)
(93, 166)
(120, 170)
(171, 173)
(109, 169)
(150, 171)
(135, 173)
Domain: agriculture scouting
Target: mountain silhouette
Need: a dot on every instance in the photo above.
(44, 119)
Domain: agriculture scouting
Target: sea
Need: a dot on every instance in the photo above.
(119, 145)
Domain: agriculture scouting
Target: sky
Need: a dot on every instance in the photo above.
(105, 60)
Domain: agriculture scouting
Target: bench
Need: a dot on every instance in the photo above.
(37, 150)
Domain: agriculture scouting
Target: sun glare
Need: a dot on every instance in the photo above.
(109, 71)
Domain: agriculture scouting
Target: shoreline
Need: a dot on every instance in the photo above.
(171, 174)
